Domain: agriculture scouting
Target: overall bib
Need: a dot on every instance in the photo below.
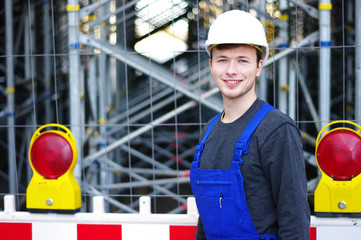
(219, 193)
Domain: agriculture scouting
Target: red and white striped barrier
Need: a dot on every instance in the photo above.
(335, 228)
(15, 225)
(98, 225)
(78, 231)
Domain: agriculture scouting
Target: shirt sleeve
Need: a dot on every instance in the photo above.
(200, 235)
(284, 168)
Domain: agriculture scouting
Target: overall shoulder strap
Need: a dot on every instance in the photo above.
(242, 144)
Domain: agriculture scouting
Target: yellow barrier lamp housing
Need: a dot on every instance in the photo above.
(53, 156)
(338, 155)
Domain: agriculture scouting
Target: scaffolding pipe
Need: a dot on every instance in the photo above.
(292, 91)
(47, 60)
(88, 160)
(144, 157)
(115, 166)
(262, 91)
(325, 61)
(283, 87)
(92, 83)
(82, 103)
(144, 183)
(155, 108)
(104, 17)
(10, 90)
(102, 81)
(310, 39)
(28, 47)
(92, 7)
(168, 154)
(92, 86)
(91, 189)
(142, 180)
(142, 64)
(350, 61)
(358, 61)
(18, 41)
(308, 99)
(74, 79)
(29, 71)
(142, 114)
(139, 105)
(110, 82)
(184, 107)
(147, 171)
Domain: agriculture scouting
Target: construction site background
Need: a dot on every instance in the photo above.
(131, 80)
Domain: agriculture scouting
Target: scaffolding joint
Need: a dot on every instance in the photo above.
(285, 88)
(325, 43)
(10, 114)
(10, 90)
(74, 45)
(73, 8)
(325, 6)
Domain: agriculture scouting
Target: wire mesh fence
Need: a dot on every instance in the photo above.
(131, 80)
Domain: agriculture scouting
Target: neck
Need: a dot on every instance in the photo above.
(234, 109)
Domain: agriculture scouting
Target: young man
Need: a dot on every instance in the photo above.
(248, 174)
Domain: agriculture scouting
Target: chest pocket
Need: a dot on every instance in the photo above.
(214, 189)
(218, 207)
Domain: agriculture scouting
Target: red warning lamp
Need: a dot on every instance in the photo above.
(338, 155)
(53, 156)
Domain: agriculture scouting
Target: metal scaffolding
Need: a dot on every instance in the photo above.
(136, 121)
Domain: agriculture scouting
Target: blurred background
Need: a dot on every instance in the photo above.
(130, 78)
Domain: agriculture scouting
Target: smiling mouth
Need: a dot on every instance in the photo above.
(232, 81)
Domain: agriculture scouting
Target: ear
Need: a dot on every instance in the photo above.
(259, 68)
(210, 65)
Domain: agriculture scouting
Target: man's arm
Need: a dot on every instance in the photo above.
(285, 170)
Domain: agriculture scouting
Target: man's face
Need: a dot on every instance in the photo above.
(235, 71)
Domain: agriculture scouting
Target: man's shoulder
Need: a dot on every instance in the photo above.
(277, 120)
(274, 117)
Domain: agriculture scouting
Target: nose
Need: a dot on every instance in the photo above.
(232, 68)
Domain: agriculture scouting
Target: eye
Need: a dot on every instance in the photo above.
(222, 60)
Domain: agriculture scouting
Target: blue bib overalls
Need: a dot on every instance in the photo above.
(219, 193)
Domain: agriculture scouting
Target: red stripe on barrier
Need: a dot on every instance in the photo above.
(189, 232)
(182, 232)
(99, 231)
(313, 233)
(16, 231)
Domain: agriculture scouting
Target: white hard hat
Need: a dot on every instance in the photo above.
(237, 27)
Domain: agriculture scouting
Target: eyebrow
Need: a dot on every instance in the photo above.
(238, 57)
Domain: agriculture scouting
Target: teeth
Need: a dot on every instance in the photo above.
(232, 82)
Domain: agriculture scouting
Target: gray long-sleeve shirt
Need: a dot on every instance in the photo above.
(273, 170)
